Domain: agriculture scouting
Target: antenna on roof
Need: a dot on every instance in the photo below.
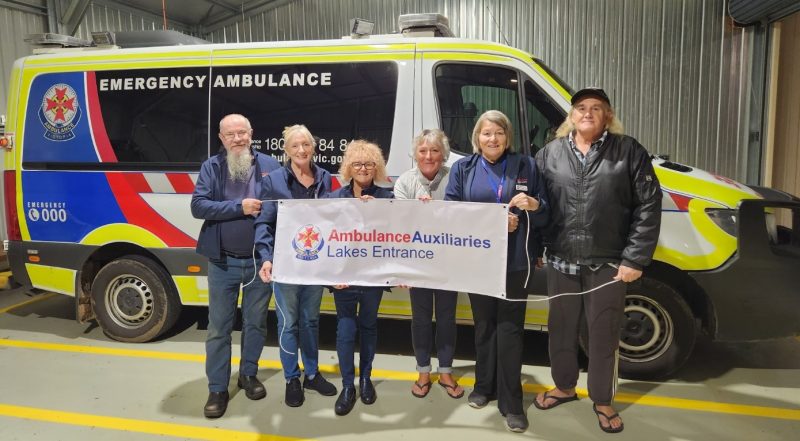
(499, 29)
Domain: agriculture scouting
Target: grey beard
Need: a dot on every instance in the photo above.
(239, 166)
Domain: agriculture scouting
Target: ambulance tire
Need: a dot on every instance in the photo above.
(134, 299)
(658, 331)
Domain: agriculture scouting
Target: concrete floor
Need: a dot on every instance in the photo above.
(66, 381)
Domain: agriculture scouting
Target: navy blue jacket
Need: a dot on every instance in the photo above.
(522, 175)
(208, 199)
(276, 186)
(378, 193)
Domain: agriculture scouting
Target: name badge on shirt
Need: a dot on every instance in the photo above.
(522, 187)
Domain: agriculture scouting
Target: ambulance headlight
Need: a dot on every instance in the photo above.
(725, 218)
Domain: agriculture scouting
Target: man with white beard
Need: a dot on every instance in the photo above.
(225, 196)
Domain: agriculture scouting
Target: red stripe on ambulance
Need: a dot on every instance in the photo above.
(126, 188)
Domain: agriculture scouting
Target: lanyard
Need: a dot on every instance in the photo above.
(497, 187)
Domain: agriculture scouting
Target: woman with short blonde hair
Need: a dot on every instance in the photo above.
(297, 305)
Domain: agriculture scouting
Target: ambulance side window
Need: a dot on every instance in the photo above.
(156, 118)
(542, 115)
(338, 102)
(465, 91)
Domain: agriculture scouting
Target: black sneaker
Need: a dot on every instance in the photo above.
(320, 384)
(294, 393)
(516, 423)
(477, 400)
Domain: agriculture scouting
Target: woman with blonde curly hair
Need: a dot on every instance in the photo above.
(357, 306)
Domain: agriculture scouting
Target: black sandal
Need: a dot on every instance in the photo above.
(608, 418)
(558, 401)
(425, 387)
(448, 388)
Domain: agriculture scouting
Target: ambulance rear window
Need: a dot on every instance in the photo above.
(156, 117)
(145, 119)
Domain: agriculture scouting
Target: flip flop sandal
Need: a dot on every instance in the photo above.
(558, 401)
(453, 387)
(425, 387)
(608, 418)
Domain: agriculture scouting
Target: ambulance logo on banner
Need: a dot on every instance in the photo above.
(308, 242)
(60, 112)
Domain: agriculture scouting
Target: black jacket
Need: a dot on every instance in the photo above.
(608, 210)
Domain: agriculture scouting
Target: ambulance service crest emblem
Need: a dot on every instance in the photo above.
(60, 112)
(308, 242)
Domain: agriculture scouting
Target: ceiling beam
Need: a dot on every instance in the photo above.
(73, 16)
(24, 7)
(250, 8)
(53, 17)
(127, 7)
(223, 5)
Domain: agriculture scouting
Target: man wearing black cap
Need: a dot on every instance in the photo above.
(605, 219)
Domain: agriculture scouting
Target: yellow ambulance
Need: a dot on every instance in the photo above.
(103, 148)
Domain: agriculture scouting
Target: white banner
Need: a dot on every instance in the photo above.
(458, 246)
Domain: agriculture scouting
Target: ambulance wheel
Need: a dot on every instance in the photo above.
(658, 331)
(134, 299)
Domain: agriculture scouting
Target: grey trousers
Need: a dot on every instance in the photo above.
(603, 312)
(423, 303)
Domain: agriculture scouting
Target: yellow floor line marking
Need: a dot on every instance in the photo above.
(639, 399)
(134, 425)
(709, 406)
(38, 298)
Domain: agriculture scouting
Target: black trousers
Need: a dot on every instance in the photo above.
(603, 311)
(499, 331)
(423, 303)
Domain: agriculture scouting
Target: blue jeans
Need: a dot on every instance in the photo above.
(298, 319)
(224, 279)
(356, 311)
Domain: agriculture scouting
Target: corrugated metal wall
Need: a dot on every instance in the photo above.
(14, 25)
(678, 72)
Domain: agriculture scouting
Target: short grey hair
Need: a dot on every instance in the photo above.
(435, 137)
(496, 117)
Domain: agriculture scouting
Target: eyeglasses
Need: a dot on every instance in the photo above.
(230, 136)
(364, 165)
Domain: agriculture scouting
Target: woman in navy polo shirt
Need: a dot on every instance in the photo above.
(494, 174)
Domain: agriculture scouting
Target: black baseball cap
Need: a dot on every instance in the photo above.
(590, 91)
